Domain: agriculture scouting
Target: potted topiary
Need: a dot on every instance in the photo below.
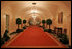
(49, 22)
(18, 21)
(43, 22)
(24, 22)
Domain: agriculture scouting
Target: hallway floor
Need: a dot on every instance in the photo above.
(34, 37)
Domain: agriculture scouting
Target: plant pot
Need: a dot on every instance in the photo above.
(24, 27)
(45, 30)
(49, 30)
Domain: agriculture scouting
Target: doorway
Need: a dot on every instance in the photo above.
(7, 22)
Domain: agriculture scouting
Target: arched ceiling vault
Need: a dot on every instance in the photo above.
(46, 8)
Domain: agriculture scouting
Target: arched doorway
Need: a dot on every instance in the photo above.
(35, 21)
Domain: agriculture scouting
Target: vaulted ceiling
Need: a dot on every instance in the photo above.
(44, 8)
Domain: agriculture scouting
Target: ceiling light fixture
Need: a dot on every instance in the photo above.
(34, 3)
(34, 11)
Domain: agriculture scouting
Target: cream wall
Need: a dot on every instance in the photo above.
(66, 25)
(12, 26)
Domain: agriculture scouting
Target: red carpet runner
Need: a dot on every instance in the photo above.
(34, 37)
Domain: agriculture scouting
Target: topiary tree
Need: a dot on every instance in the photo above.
(43, 22)
(18, 21)
(24, 22)
(49, 22)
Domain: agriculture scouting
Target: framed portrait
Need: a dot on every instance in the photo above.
(60, 18)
